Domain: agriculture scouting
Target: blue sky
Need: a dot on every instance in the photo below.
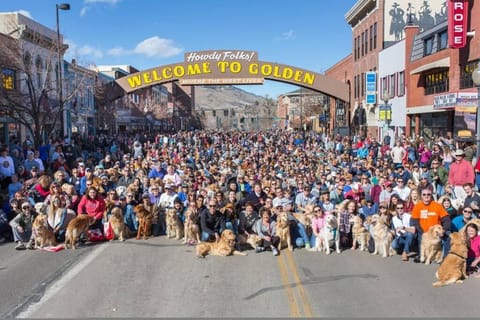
(310, 34)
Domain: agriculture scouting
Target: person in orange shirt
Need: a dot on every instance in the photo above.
(427, 213)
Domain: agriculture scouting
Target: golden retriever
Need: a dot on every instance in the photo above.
(252, 240)
(144, 218)
(42, 233)
(174, 225)
(382, 236)
(76, 227)
(225, 246)
(191, 229)
(360, 234)
(117, 223)
(454, 267)
(431, 245)
(282, 230)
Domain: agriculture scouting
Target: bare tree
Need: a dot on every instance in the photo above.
(30, 69)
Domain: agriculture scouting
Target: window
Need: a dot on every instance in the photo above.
(355, 44)
(391, 86)
(442, 40)
(428, 46)
(8, 79)
(366, 41)
(363, 84)
(384, 86)
(466, 75)
(363, 44)
(436, 82)
(214, 113)
(358, 47)
(401, 84)
(371, 38)
(225, 113)
(375, 35)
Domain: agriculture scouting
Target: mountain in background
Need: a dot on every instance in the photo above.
(221, 97)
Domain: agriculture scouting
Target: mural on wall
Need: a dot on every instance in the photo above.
(424, 13)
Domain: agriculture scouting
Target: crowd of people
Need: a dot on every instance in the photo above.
(242, 181)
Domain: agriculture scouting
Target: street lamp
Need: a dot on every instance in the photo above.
(385, 112)
(62, 6)
(476, 81)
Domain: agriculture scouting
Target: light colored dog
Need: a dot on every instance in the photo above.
(330, 235)
(174, 224)
(360, 234)
(454, 267)
(282, 230)
(42, 233)
(432, 245)
(117, 223)
(191, 227)
(382, 236)
(224, 247)
(252, 240)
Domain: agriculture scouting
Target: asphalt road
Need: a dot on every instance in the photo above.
(161, 277)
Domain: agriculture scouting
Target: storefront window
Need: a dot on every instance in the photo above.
(436, 82)
(434, 124)
(466, 75)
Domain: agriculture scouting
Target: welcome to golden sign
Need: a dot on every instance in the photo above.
(231, 67)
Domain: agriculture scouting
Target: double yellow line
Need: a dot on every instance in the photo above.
(288, 268)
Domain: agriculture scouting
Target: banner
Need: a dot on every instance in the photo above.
(457, 23)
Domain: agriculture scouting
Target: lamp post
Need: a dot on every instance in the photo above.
(386, 111)
(476, 81)
(62, 6)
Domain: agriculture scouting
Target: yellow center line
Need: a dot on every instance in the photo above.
(292, 303)
(307, 308)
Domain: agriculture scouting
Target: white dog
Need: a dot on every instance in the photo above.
(330, 235)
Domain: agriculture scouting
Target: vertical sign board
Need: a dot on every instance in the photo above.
(457, 23)
(371, 87)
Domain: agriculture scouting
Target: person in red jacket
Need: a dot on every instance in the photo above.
(93, 204)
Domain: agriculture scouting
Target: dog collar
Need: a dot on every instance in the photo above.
(454, 253)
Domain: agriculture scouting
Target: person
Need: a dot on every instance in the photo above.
(472, 198)
(344, 225)
(7, 169)
(318, 222)
(22, 227)
(212, 222)
(446, 202)
(93, 205)
(129, 217)
(266, 231)
(305, 198)
(473, 244)
(461, 220)
(247, 219)
(404, 232)
(439, 176)
(427, 213)
(461, 172)
(58, 218)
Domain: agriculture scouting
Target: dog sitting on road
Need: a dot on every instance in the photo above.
(431, 245)
(191, 228)
(360, 234)
(117, 223)
(454, 267)
(43, 235)
(174, 224)
(144, 218)
(330, 235)
(282, 230)
(382, 235)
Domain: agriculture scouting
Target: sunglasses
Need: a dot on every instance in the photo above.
(426, 194)
(211, 206)
(467, 211)
(26, 207)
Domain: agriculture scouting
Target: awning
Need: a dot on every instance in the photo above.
(442, 63)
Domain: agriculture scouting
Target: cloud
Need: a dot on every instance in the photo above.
(289, 35)
(151, 47)
(75, 51)
(89, 3)
(83, 11)
(101, 1)
(26, 13)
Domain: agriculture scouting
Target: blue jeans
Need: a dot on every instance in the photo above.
(299, 234)
(403, 242)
